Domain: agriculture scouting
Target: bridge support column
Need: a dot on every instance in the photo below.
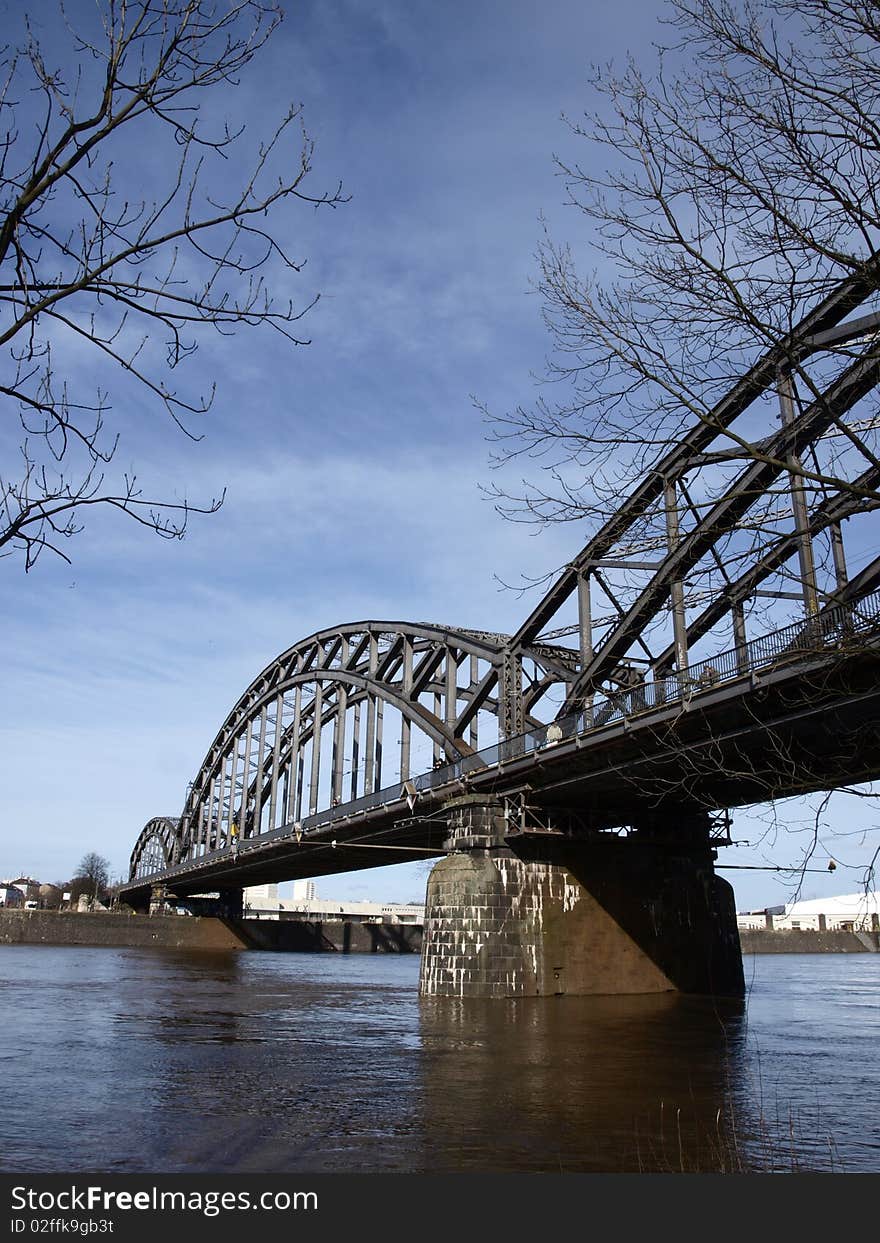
(549, 914)
(230, 903)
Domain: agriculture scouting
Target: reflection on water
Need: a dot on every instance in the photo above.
(582, 1083)
(150, 1061)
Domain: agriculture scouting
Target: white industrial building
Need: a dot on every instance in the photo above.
(262, 902)
(853, 912)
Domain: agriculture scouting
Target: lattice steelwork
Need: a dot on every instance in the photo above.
(313, 729)
(156, 848)
(737, 530)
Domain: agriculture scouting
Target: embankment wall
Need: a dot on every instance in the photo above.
(198, 932)
(317, 936)
(339, 936)
(807, 941)
(110, 929)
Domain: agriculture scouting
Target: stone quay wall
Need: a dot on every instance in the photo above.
(203, 932)
(195, 932)
(335, 936)
(807, 941)
(113, 930)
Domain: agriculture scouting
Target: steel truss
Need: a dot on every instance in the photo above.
(723, 522)
(310, 730)
(691, 540)
(156, 848)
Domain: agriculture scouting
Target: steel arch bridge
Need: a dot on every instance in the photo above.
(310, 729)
(721, 565)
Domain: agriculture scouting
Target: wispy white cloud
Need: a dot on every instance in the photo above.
(352, 466)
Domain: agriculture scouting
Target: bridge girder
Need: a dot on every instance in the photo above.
(723, 523)
(755, 520)
(265, 764)
(156, 845)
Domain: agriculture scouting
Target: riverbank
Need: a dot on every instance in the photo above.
(115, 931)
(203, 932)
(807, 941)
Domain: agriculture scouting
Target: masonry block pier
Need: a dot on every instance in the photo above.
(543, 912)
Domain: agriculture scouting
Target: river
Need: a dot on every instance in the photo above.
(144, 1061)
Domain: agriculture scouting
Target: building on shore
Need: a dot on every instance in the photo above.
(27, 887)
(262, 902)
(852, 912)
(10, 895)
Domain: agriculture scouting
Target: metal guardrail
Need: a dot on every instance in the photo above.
(833, 628)
(836, 627)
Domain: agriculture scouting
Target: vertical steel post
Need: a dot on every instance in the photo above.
(212, 831)
(317, 711)
(370, 740)
(837, 552)
(294, 755)
(339, 741)
(245, 778)
(405, 727)
(276, 749)
(799, 501)
(380, 712)
(437, 751)
(511, 713)
(339, 728)
(258, 778)
(202, 829)
(739, 636)
(585, 632)
(230, 778)
(474, 735)
(237, 763)
(182, 846)
(285, 788)
(676, 591)
(225, 802)
(370, 744)
(300, 781)
(451, 691)
(355, 749)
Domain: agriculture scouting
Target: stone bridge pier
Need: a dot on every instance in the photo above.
(549, 913)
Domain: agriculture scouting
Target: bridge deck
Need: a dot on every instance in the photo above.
(802, 722)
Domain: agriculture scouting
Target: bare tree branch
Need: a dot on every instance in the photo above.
(723, 205)
(85, 257)
(709, 405)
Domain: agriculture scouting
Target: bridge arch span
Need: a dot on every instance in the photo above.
(312, 729)
(156, 847)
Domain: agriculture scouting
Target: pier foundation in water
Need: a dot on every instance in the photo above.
(539, 914)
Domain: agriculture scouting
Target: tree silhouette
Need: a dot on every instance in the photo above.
(124, 267)
(94, 871)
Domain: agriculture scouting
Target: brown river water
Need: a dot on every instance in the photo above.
(147, 1061)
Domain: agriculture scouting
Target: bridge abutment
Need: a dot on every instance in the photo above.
(230, 903)
(546, 913)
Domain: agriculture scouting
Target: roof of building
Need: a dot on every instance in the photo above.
(843, 904)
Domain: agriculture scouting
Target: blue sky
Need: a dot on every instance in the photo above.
(352, 466)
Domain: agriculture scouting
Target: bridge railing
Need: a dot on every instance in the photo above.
(836, 627)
